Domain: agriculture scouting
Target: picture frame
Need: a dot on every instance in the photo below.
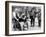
(12, 6)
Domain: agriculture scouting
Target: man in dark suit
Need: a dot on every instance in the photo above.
(32, 16)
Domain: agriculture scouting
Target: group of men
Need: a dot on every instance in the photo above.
(20, 16)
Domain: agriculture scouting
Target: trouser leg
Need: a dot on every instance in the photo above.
(33, 21)
(39, 23)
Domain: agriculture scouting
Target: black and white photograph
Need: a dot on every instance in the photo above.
(25, 18)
